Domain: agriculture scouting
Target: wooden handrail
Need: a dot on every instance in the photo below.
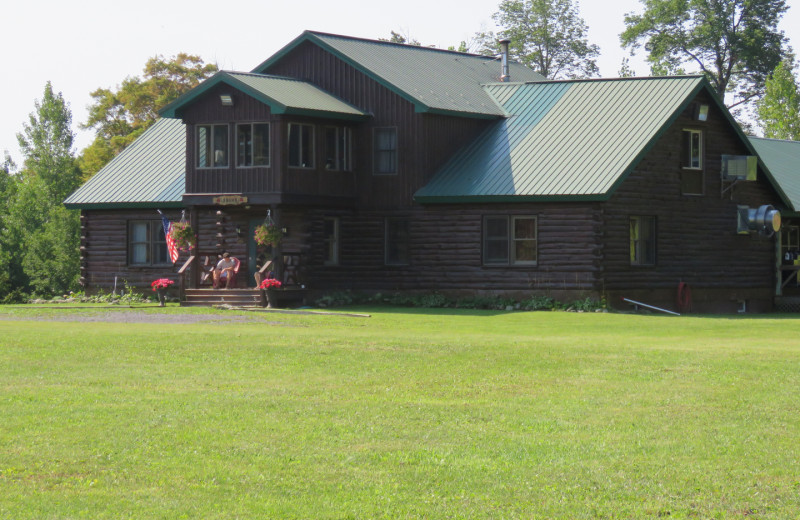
(265, 267)
(186, 264)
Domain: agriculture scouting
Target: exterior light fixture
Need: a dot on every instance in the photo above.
(226, 99)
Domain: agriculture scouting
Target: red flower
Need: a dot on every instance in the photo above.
(270, 283)
(161, 283)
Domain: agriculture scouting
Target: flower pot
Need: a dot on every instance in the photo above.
(273, 298)
(162, 296)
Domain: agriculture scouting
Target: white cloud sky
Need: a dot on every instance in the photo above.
(96, 43)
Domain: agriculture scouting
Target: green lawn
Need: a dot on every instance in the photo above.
(405, 414)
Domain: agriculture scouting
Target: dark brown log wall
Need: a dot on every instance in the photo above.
(697, 235)
(446, 251)
(105, 253)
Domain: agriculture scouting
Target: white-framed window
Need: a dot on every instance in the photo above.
(510, 240)
(692, 149)
(331, 240)
(212, 146)
(397, 241)
(692, 162)
(338, 148)
(301, 145)
(385, 150)
(146, 243)
(643, 240)
(252, 145)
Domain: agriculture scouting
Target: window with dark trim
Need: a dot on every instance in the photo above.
(338, 148)
(643, 240)
(252, 145)
(331, 240)
(385, 151)
(510, 240)
(692, 162)
(301, 145)
(212, 146)
(397, 242)
(146, 243)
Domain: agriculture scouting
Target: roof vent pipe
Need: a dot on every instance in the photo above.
(505, 77)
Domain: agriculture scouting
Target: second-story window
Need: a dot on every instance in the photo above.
(385, 150)
(212, 146)
(692, 162)
(252, 144)
(338, 148)
(301, 145)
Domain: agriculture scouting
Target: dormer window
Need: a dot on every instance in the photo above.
(212, 146)
(301, 145)
(252, 145)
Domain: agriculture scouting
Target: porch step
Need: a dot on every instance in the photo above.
(235, 297)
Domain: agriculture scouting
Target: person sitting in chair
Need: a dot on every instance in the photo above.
(225, 271)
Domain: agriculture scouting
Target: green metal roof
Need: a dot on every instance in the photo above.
(434, 80)
(150, 173)
(563, 140)
(782, 159)
(282, 95)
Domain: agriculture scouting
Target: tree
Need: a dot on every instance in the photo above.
(625, 70)
(46, 143)
(735, 43)
(397, 37)
(38, 236)
(778, 111)
(119, 117)
(548, 36)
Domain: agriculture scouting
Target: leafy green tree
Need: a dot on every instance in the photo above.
(397, 37)
(625, 70)
(6, 183)
(38, 236)
(46, 143)
(51, 261)
(736, 44)
(546, 35)
(120, 116)
(778, 111)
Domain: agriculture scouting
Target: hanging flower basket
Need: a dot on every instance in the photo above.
(267, 235)
(183, 235)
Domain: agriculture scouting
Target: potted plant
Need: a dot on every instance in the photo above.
(183, 235)
(160, 287)
(269, 292)
(267, 235)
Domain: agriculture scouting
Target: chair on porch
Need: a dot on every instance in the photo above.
(228, 278)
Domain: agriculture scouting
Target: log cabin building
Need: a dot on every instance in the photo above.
(391, 167)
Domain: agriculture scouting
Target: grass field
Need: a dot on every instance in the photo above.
(404, 414)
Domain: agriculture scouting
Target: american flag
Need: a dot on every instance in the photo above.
(171, 248)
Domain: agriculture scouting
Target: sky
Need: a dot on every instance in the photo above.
(82, 46)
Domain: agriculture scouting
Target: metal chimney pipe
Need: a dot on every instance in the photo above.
(505, 77)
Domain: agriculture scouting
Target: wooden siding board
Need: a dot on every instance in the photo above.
(697, 240)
